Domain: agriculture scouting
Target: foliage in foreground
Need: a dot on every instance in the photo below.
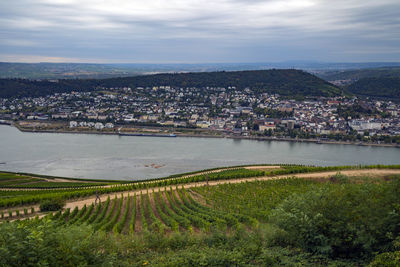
(347, 220)
(46, 244)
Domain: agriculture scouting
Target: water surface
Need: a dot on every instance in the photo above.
(132, 157)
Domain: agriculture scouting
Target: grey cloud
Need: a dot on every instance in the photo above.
(236, 30)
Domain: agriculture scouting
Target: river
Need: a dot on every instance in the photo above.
(131, 157)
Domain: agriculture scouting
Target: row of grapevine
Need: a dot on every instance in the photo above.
(233, 219)
(166, 218)
(93, 216)
(78, 215)
(85, 216)
(156, 224)
(142, 213)
(255, 199)
(171, 210)
(230, 219)
(29, 197)
(196, 220)
(11, 214)
(118, 227)
(107, 215)
(132, 221)
(172, 213)
(113, 218)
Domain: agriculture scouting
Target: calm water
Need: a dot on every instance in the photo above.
(130, 158)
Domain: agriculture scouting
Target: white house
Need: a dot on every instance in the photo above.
(73, 124)
(109, 125)
(98, 126)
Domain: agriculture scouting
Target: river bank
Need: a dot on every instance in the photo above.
(205, 134)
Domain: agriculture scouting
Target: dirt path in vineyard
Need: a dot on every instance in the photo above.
(365, 172)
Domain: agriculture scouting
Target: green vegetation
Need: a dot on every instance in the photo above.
(23, 197)
(356, 111)
(284, 82)
(15, 180)
(337, 218)
(273, 113)
(357, 74)
(51, 205)
(382, 87)
(373, 82)
(336, 221)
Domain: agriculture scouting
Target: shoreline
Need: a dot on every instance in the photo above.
(255, 138)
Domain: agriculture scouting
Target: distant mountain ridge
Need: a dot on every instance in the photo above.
(357, 74)
(48, 70)
(287, 82)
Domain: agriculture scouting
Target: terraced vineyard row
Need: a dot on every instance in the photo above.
(165, 211)
(11, 197)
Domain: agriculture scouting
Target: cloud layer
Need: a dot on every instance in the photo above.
(199, 31)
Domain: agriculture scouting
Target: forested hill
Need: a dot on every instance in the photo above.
(383, 87)
(357, 74)
(285, 82)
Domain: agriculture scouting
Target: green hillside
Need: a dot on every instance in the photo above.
(285, 82)
(382, 87)
(357, 74)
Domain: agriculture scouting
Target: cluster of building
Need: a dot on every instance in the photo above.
(230, 110)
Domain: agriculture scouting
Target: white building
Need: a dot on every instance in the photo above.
(361, 125)
(73, 124)
(98, 126)
(109, 125)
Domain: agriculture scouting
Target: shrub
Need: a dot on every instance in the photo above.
(387, 259)
(52, 205)
(345, 220)
(339, 178)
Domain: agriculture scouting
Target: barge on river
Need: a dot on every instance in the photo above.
(147, 135)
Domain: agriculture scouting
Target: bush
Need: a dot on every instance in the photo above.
(339, 178)
(51, 205)
(345, 220)
(387, 259)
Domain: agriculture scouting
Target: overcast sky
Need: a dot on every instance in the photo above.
(199, 31)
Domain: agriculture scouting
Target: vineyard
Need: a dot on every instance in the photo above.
(337, 220)
(169, 210)
(11, 197)
(17, 181)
